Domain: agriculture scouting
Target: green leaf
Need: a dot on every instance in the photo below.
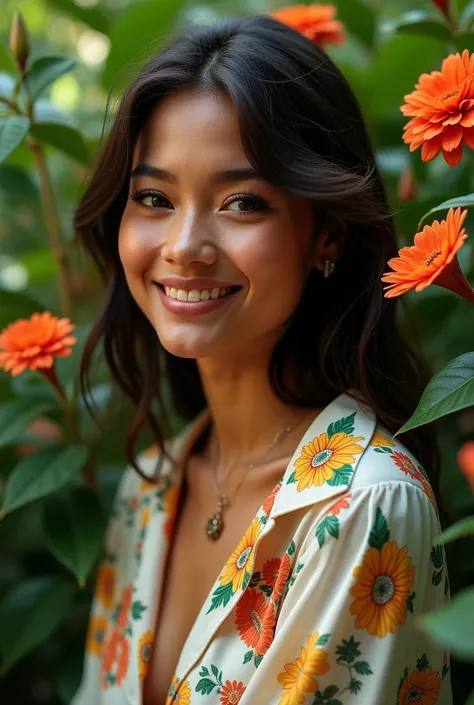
(292, 478)
(379, 534)
(74, 529)
(67, 368)
(138, 33)
(258, 660)
(348, 650)
(421, 23)
(17, 184)
(63, 137)
(95, 17)
(14, 305)
(452, 625)
(137, 609)
(205, 686)
(341, 476)
(345, 425)
(16, 415)
(457, 202)
(363, 668)
(437, 556)
(47, 69)
(323, 639)
(220, 597)
(451, 389)
(42, 473)
(464, 41)
(291, 548)
(13, 130)
(463, 527)
(7, 85)
(359, 19)
(30, 613)
(248, 656)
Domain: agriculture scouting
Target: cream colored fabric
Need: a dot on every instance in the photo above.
(329, 618)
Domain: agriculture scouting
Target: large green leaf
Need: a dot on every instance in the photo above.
(74, 528)
(421, 23)
(18, 184)
(452, 626)
(42, 473)
(465, 40)
(95, 17)
(13, 130)
(397, 67)
(14, 305)
(6, 60)
(64, 138)
(461, 529)
(30, 613)
(44, 111)
(138, 34)
(47, 69)
(67, 368)
(451, 389)
(456, 202)
(7, 84)
(15, 416)
(359, 19)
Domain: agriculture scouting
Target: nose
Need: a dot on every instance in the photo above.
(186, 245)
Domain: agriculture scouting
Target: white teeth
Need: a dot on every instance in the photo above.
(195, 295)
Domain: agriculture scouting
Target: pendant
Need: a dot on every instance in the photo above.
(215, 526)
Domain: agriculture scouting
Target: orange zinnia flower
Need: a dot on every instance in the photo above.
(127, 596)
(231, 692)
(255, 619)
(115, 660)
(421, 687)
(34, 343)
(431, 260)
(442, 110)
(316, 22)
(466, 461)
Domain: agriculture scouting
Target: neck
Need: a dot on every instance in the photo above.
(246, 414)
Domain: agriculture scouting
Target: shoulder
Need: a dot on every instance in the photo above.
(387, 460)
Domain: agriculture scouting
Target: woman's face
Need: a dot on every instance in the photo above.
(200, 224)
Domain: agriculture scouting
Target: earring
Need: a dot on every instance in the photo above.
(329, 268)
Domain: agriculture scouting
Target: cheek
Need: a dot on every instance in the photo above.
(135, 257)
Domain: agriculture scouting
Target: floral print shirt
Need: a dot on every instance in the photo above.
(329, 618)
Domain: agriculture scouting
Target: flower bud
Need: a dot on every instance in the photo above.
(407, 190)
(19, 41)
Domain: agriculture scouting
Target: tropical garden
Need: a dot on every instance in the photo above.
(411, 64)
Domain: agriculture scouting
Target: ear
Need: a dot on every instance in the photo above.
(329, 245)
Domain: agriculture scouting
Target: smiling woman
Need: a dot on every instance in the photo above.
(241, 226)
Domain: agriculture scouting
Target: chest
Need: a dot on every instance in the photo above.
(193, 564)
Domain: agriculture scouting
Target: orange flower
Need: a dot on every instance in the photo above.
(384, 582)
(466, 461)
(276, 572)
(255, 619)
(409, 468)
(299, 677)
(431, 260)
(421, 687)
(339, 506)
(316, 22)
(35, 342)
(270, 500)
(231, 692)
(127, 596)
(145, 646)
(442, 110)
(105, 590)
(96, 635)
(115, 660)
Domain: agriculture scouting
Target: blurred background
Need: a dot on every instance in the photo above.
(110, 39)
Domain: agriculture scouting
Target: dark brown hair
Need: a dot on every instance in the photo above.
(302, 129)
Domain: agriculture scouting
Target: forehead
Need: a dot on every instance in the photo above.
(189, 124)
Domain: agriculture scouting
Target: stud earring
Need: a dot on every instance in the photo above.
(329, 268)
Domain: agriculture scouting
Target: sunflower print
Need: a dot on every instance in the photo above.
(238, 564)
(96, 635)
(179, 693)
(327, 455)
(145, 646)
(299, 678)
(106, 581)
(384, 582)
(380, 440)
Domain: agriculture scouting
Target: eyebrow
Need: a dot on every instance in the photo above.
(239, 173)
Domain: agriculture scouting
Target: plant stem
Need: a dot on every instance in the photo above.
(52, 222)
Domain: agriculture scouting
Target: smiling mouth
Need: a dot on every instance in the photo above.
(196, 295)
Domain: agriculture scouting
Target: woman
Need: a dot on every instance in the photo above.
(277, 550)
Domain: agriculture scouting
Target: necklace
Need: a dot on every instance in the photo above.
(215, 524)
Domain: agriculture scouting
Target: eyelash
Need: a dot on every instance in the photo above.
(139, 195)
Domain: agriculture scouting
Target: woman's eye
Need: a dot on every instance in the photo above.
(251, 204)
(150, 200)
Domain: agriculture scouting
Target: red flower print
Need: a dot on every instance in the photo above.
(255, 620)
(133, 503)
(115, 660)
(270, 500)
(276, 572)
(342, 504)
(231, 692)
(127, 594)
(270, 571)
(405, 464)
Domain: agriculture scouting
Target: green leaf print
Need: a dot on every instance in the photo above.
(383, 449)
(221, 597)
(436, 577)
(258, 660)
(363, 668)
(341, 476)
(410, 602)
(380, 533)
(248, 656)
(437, 556)
(292, 478)
(255, 579)
(330, 691)
(217, 673)
(204, 672)
(137, 609)
(348, 650)
(355, 686)
(323, 639)
(291, 548)
(329, 524)
(422, 663)
(345, 425)
(205, 686)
